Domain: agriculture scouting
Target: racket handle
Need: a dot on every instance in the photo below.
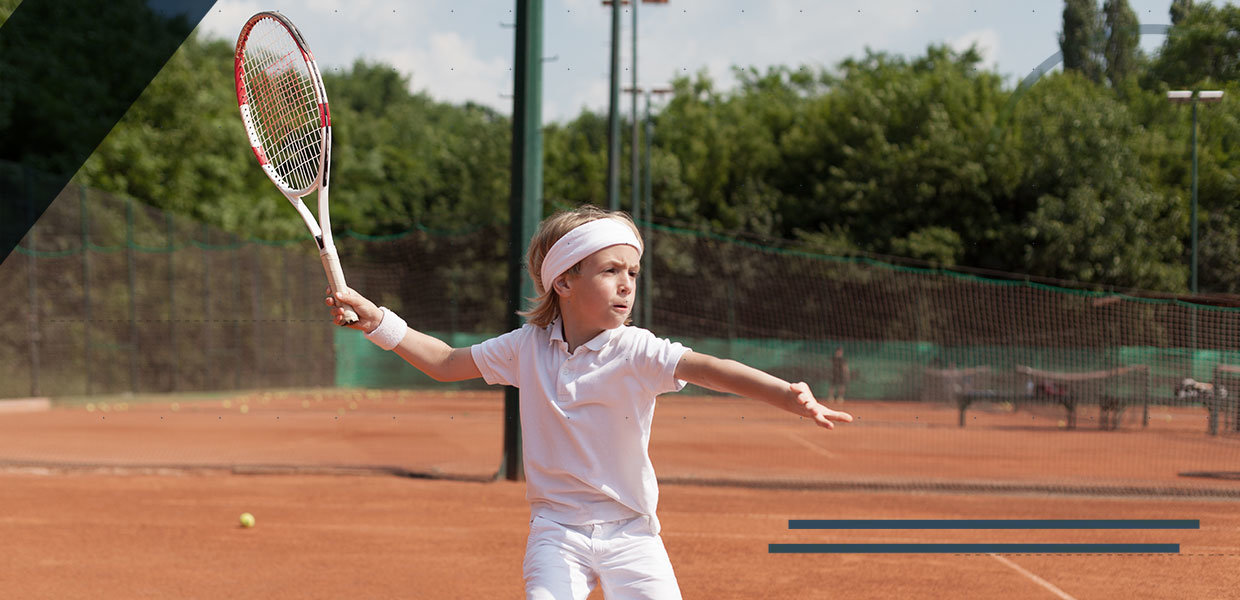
(335, 277)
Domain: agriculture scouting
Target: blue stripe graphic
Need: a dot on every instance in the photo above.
(974, 548)
(994, 524)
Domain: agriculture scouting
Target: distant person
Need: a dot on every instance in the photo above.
(839, 376)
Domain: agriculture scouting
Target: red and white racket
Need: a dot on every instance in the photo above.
(284, 108)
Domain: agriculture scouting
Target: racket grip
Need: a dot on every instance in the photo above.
(335, 277)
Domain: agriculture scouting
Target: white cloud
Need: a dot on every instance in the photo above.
(457, 51)
(226, 18)
(450, 69)
(594, 96)
(987, 42)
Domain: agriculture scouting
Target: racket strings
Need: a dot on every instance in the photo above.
(284, 108)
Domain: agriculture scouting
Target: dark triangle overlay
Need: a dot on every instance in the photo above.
(69, 70)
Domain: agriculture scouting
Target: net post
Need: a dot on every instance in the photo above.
(634, 171)
(1145, 398)
(256, 277)
(613, 114)
(525, 204)
(647, 289)
(170, 246)
(32, 282)
(208, 339)
(133, 302)
(284, 377)
(86, 323)
(236, 322)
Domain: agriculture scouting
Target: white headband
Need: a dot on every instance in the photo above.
(583, 241)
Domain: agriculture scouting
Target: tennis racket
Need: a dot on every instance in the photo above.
(284, 108)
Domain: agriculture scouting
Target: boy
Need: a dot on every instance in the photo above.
(588, 384)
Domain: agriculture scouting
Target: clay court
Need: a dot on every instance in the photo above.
(388, 495)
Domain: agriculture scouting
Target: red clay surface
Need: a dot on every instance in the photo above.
(108, 536)
(695, 438)
(139, 500)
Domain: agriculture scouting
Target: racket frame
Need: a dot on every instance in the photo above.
(320, 229)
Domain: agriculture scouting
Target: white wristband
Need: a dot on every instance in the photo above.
(390, 332)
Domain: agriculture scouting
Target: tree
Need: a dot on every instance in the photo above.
(6, 9)
(1098, 215)
(1080, 40)
(898, 158)
(576, 161)
(1218, 133)
(1205, 45)
(1123, 33)
(181, 146)
(1180, 10)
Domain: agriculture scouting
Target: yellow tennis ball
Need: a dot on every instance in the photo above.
(247, 520)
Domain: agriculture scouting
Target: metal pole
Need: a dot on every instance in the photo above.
(647, 286)
(32, 279)
(259, 323)
(613, 114)
(1194, 208)
(235, 355)
(1193, 218)
(172, 302)
(635, 192)
(208, 375)
(86, 324)
(284, 376)
(525, 205)
(32, 326)
(133, 301)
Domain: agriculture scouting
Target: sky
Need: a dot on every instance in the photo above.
(463, 51)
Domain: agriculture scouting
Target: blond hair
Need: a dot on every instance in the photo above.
(546, 306)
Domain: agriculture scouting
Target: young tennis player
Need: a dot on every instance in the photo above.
(588, 383)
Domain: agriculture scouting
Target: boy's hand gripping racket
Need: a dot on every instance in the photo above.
(284, 108)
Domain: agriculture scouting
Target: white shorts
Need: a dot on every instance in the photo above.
(564, 562)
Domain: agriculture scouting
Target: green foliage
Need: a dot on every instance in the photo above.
(398, 159)
(882, 154)
(6, 8)
(938, 245)
(896, 146)
(1095, 213)
(1121, 51)
(181, 147)
(401, 159)
(1081, 38)
(1179, 10)
(1204, 46)
(1218, 187)
(60, 92)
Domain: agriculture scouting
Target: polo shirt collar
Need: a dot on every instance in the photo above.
(595, 344)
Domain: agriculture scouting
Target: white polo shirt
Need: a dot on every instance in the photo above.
(585, 417)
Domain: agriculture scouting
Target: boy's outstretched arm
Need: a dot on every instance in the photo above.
(430, 355)
(724, 375)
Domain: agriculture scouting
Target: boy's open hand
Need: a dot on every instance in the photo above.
(368, 315)
(810, 407)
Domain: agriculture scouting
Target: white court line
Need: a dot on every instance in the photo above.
(1038, 580)
(808, 444)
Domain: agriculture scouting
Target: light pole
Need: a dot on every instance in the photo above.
(613, 113)
(648, 294)
(643, 216)
(1183, 97)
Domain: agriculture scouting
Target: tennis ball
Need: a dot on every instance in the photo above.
(247, 520)
(1062, 423)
